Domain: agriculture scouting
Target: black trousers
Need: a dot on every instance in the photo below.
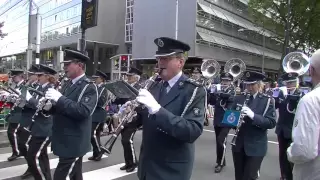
(95, 138)
(23, 141)
(69, 167)
(285, 166)
(127, 135)
(37, 158)
(221, 139)
(13, 138)
(246, 167)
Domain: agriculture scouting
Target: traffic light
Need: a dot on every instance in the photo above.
(124, 62)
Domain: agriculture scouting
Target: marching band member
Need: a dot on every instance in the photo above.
(304, 149)
(23, 134)
(41, 130)
(173, 118)
(14, 118)
(98, 116)
(284, 125)
(259, 116)
(74, 105)
(221, 100)
(127, 134)
(305, 86)
(268, 86)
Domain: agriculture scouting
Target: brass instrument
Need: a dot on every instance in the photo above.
(210, 69)
(241, 121)
(296, 62)
(236, 67)
(126, 116)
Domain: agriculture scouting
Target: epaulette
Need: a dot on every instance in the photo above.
(194, 82)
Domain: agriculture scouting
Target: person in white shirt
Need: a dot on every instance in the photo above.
(304, 150)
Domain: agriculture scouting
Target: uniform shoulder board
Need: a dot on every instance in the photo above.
(194, 82)
(87, 80)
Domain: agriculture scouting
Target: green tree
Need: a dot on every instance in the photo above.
(2, 35)
(303, 22)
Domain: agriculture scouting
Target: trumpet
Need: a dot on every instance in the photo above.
(126, 116)
(241, 121)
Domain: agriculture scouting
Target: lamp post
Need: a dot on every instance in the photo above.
(177, 19)
(263, 45)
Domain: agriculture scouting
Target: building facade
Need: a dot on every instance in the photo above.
(219, 30)
(61, 28)
(214, 29)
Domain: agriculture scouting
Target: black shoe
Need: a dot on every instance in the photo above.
(13, 157)
(99, 157)
(91, 158)
(124, 167)
(131, 168)
(218, 169)
(26, 175)
(216, 166)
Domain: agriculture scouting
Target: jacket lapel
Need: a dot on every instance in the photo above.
(174, 92)
(73, 87)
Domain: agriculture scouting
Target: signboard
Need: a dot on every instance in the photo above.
(89, 15)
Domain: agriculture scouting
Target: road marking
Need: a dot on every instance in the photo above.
(110, 172)
(271, 142)
(13, 171)
(4, 157)
(1, 131)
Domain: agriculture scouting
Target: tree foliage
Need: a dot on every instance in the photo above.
(2, 35)
(303, 21)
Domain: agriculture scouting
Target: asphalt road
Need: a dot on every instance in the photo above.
(108, 167)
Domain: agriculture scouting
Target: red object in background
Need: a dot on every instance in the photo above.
(124, 58)
(107, 108)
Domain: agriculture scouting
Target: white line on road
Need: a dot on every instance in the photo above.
(110, 172)
(4, 157)
(14, 171)
(271, 142)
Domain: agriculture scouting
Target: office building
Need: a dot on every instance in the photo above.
(218, 29)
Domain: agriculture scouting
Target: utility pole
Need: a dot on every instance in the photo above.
(29, 50)
(177, 19)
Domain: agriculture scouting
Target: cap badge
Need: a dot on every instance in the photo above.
(289, 75)
(248, 74)
(160, 43)
(227, 74)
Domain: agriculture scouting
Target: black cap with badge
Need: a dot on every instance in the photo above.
(74, 55)
(288, 77)
(16, 72)
(34, 69)
(226, 76)
(101, 74)
(196, 70)
(168, 46)
(252, 77)
(134, 71)
(47, 70)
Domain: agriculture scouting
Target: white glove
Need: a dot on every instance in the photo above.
(28, 96)
(146, 98)
(18, 91)
(53, 94)
(247, 112)
(124, 107)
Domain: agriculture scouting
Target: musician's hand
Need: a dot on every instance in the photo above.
(53, 94)
(28, 96)
(247, 112)
(18, 91)
(146, 98)
(124, 107)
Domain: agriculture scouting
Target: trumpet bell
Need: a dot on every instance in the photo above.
(235, 67)
(296, 62)
(210, 68)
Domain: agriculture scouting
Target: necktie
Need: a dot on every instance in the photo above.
(250, 101)
(165, 84)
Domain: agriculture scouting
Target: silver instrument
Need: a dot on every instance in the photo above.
(236, 67)
(296, 62)
(241, 121)
(210, 69)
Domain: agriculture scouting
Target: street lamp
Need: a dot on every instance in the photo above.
(263, 44)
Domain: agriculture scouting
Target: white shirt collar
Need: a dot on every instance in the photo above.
(77, 78)
(44, 85)
(173, 80)
(99, 85)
